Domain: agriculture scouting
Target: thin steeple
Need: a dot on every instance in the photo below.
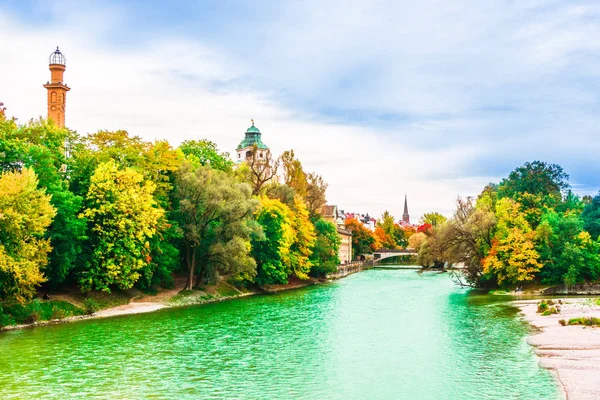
(405, 216)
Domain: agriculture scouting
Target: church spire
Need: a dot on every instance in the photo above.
(405, 216)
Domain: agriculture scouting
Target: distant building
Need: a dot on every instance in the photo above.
(332, 214)
(252, 138)
(405, 215)
(57, 89)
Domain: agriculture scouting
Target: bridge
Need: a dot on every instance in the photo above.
(382, 254)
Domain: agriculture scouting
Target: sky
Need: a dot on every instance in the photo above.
(429, 99)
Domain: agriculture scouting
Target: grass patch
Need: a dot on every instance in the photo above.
(188, 297)
(226, 290)
(548, 307)
(586, 321)
(102, 300)
(36, 310)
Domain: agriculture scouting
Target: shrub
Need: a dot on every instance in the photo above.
(35, 311)
(587, 321)
(562, 322)
(545, 307)
(5, 319)
(59, 313)
(551, 310)
(90, 306)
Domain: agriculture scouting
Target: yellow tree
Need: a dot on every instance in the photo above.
(304, 240)
(123, 216)
(513, 257)
(25, 214)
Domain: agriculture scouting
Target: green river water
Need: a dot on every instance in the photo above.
(379, 334)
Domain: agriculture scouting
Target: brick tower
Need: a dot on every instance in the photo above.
(57, 90)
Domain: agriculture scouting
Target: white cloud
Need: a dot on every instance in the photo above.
(438, 63)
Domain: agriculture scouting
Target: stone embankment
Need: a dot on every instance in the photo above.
(585, 290)
(350, 268)
(572, 351)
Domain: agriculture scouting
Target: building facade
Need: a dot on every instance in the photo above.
(57, 89)
(337, 217)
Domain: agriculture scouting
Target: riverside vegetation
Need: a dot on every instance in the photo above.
(528, 229)
(108, 211)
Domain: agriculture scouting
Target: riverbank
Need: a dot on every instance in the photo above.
(168, 298)
(572, 352)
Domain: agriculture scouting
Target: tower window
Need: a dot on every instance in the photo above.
(53, 97)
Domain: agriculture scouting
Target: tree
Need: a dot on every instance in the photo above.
(385, 241)
(261, 170)
(157, 163)
(41, 145)
(568, 253)
(215, 214)
(591, 217)
(284, 193)
(387, 222)
(293, 174)
(467, 239)
(536, 186)
(363, 241)
(25, 214)
(433, 219)
(325, 252)
(315, 194)
(205, 152)
(512, 257)
(417, 240)
(272, 249)
(122, 216)
(304, 240)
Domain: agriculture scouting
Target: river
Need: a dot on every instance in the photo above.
(378, 334)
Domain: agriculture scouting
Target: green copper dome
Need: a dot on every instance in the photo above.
(251, 138)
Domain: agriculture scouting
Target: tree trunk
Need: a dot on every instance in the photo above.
(191, 267)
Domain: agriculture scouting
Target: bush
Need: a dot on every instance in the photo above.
(5, 319)
(90, 306)
(545, 307)
(59, 313)
(562, 322)
(551, 310)
(587, 321)
(35, 311)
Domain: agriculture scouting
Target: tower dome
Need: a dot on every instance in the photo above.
(252, 137)
(57, 58)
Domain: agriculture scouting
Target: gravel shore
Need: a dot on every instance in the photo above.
(572, 352)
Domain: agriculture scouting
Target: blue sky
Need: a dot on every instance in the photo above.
(430, 98)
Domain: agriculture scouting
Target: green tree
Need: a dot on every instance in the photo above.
(157, 163)
(205, 152)
(433, 219)
(122, 216)
(568, 252)
(272, 248)
(215, 213)
(536, 186)
(41, 145)
(25, 214)
(591, 217)
(325, 252)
